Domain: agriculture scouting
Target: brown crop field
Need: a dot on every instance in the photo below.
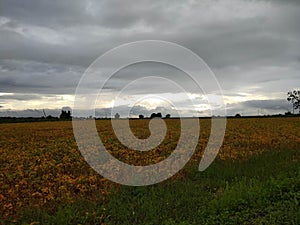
(42, 168)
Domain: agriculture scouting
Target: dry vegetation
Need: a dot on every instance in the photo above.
(41, 166)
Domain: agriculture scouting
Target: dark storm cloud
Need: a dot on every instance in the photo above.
(38, 78)
(86, 23)
(85, 29)
(45, 12)
(22, 47)
(109, 13)
(252, 46)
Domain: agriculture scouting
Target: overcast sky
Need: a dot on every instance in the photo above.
(252, 46)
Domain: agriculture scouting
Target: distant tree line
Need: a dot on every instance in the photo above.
(155, 115)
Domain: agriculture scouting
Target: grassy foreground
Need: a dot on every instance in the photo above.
(265, 189)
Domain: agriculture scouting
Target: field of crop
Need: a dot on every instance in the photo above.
(254, 180)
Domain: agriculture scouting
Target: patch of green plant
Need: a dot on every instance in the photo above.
(81, 212)
(264, 189)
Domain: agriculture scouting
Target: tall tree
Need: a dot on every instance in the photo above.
(294, 98)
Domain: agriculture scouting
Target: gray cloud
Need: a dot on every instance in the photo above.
(254, 32)
(38, 78)
(107, 13)
(252, 46)
(276, 104)
(261, 107)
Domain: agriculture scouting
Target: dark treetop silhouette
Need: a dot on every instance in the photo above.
(156, 115)
(65, 114)
(294, 98)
